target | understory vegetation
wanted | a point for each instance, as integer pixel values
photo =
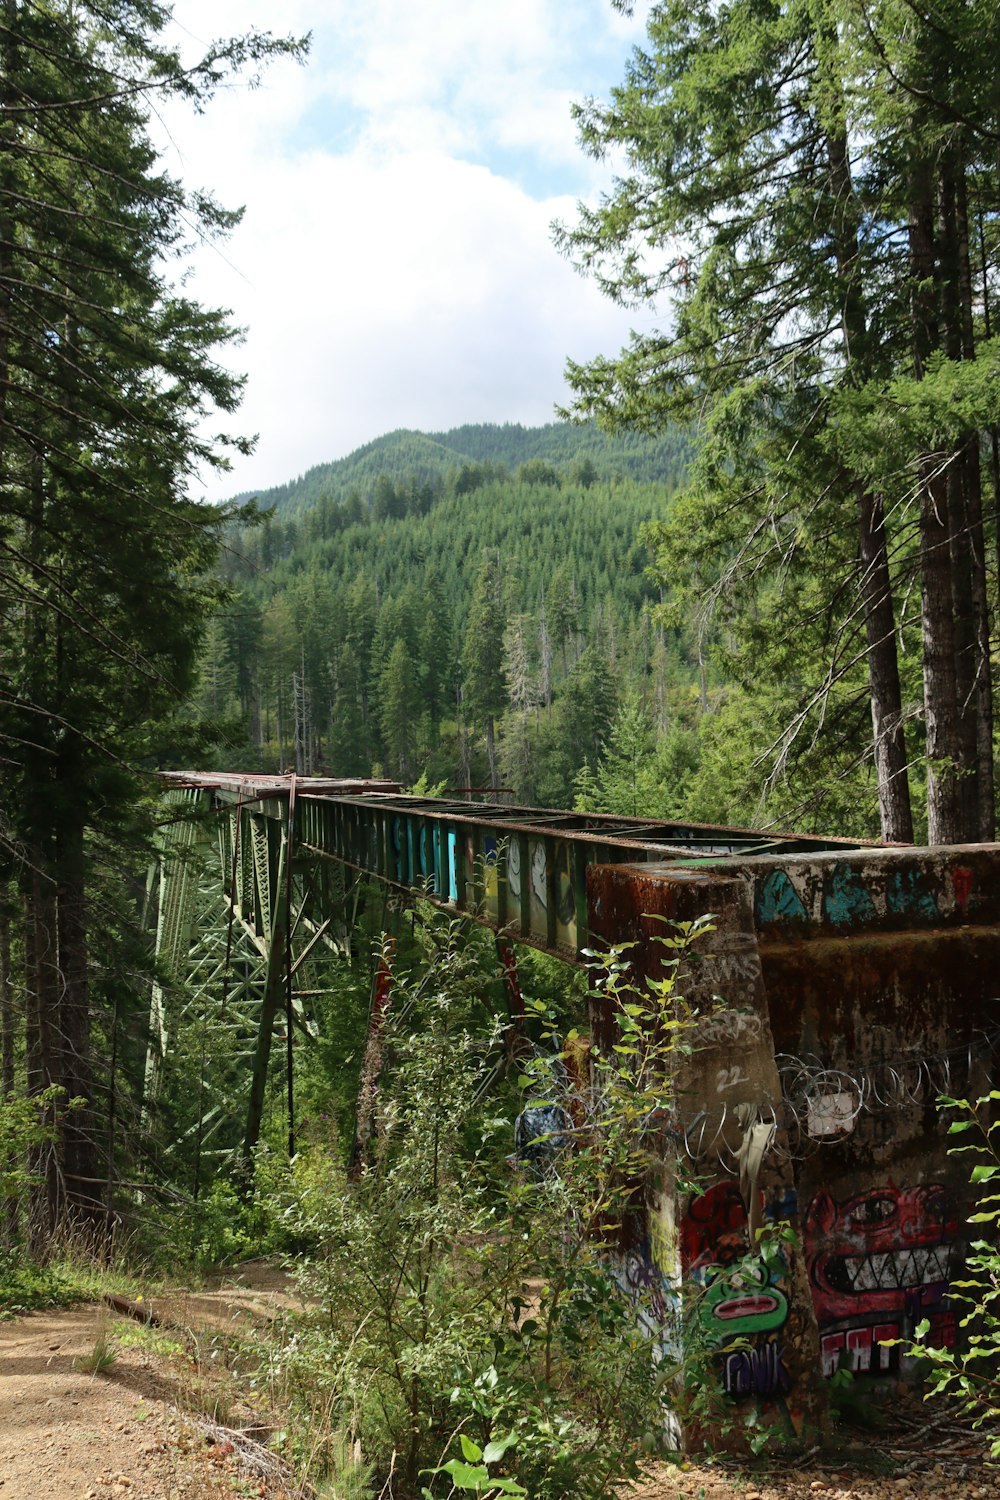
(462, 1314)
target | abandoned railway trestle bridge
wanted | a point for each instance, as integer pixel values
(521, 871)
(859, 980)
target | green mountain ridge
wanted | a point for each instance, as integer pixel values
(435, 596)
(422, 457)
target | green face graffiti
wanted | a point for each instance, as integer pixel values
(743, 1299)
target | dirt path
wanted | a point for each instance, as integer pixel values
(136, 1430)
(66, 1435)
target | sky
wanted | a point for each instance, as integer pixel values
(395, 265)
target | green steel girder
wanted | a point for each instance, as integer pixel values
(224, 930)
(522, 871)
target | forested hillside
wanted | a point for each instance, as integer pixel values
(422, 457)
(480, 624)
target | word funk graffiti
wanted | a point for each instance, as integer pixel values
(756, 1372)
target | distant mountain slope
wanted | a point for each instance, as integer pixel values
(427, 456)
(563, 443)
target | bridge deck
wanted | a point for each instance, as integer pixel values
(522, 870)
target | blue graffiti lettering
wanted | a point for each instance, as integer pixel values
(903, 896)
(845, 900)
(756, 1372)
(778, 900)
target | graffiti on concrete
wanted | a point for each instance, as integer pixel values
(539, 884)
(879, 1263)
(565, 889)
(853, 895)
(541, 1133)
(756, 1372)
(906, 893)
(514, 868)
(727, 1028)
(733, 973)
(779, 901)
(732, 1077)
(714, 1229)
(742, 1297)
(543, 874)
(961, 881)
(846, 902)
(648, 1285)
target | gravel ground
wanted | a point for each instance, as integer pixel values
(915, 1457)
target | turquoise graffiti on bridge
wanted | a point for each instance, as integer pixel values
(904, 897)
(846, 902)
(778, 900)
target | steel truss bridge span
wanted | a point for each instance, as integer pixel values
(519, 870)
(247, 933)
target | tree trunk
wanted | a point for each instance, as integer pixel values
(985, 811)
(883, 671)
(79, 1149)
(8, 1042)
(956, 490)
(491, 751)
(8, 135)
(876, 581)
(944, 822)
(42, 1026)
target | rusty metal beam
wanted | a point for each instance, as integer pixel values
(520, 870)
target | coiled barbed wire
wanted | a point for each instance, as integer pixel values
(821, 1104)
(805, 1118)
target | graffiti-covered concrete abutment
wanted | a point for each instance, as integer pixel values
(841, 994)
(879, 1265)
(845, 988)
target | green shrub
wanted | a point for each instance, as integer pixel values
(27, 1288)
(456, 1314)
(971, 1374)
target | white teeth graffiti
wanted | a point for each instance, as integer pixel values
(892, 1270)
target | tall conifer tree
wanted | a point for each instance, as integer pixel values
(105, 374)
(799, 183)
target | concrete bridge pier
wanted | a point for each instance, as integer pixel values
(744, 1327)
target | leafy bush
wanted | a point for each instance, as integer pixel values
(469, 1331)
(970, 1374)
(27, 1288)
(26, 1123)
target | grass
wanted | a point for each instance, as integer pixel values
(130, 1335)
(101, 1358)
(78, 1270)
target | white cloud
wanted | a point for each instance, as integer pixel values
(389, 272)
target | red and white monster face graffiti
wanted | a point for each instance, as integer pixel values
(872, 1252)
(884, 1257)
